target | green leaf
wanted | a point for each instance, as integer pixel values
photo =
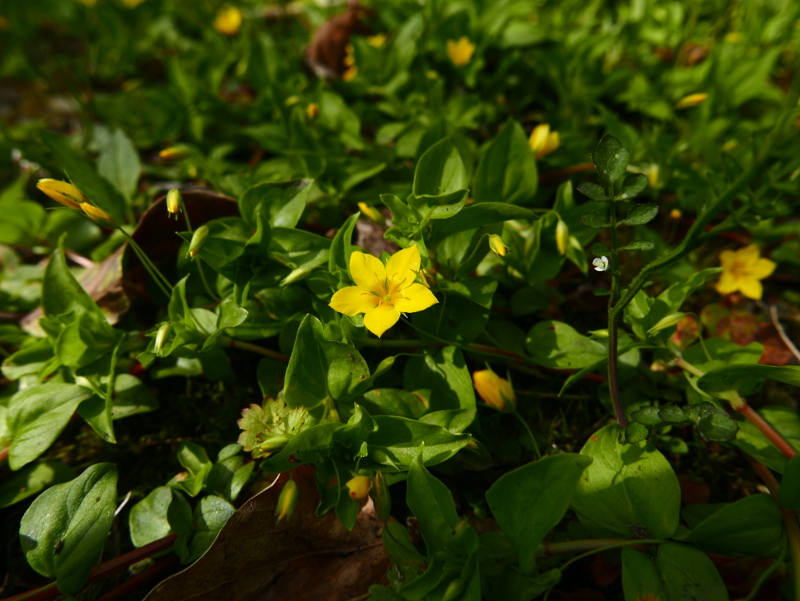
(443, 206)
(229, 475)
(432, 504)
(746, 379)
(640, 577)
(209, 517)
(281, 204)
(717, 425)
(531, 500)
(65, 528)
(753, 442)
(635, 432)
(688, 573)
(479, 289)
(789, 494)
(594, 220)
(96, 188)
(507, 170)
(628, 490)
(640, 214)
(647, 416)
(395, 442)
(593, 191)
(631, 186)
(479, 215)
(148, 520)
(195, 460)
(557, 345)
(637, 245)
(390, 401)
(32, 479)
(599, 249)
(752, 526)
(671, 414)
(37, 415)
(440, 171)
(61, 292)
(342, 247)
(119, 163)
(610, 159)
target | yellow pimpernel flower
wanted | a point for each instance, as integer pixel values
(383, 293)
(228, 20)
(690, 100)
(494, 390)
(742, 270)
(460, 52)
(376, 41)
(543, 141)
(371, 213)
(359, 487)
(63, 192)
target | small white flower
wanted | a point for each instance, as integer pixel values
(600, 264)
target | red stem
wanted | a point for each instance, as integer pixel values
(138, 581)
(767, 430)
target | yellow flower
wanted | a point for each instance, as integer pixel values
(371, 213)
(376, 41)
(359, 487)
(690, 100)
(174, 202)
(98, 215)
(383, 293)
(63, 192)
(312, 110)
(675, 214)
(543, 141)
(494, 390)
(350, 73)
(742, 270)
(460, 52)
(651, 172)
(733, 37)
(228, 20)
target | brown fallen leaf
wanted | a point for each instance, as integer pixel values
(305, 557)
(325, 54)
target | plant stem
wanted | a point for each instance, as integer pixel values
(530, 434)
(199, 260)
(163, 282)
(613, 367)
(378, 343)
(579, 546)
(254, 348)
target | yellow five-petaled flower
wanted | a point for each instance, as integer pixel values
(742, 270)
(383, 293)
(460, 52)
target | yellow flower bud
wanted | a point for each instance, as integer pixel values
(228, 20)
(543, 141)
(494, 390)
(198, 240)
(173, 152)
(287, 500)
(371, 213)
(98, 215)
(174, 202)
(562, 236)
(690, 100)
(63, 192)
(359, 487)
(497, 245)
(312, 110)
(675, 214)
(376, 41)
(460, 52)
(652, 175)
(161, 337)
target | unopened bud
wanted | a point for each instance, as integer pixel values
(287, 500)
(228, 20)
(690, 100)
(161, 337)
(497, 245)
(98, 215)
(359, 487)
(198, 240)
(543, 141)
(312, 110)
(666, 322)
(675, 214)
(63, 192)
(174, 202)
(371, 213)
(652, 172)
(275, 443)
(494, 390)
(173, 152)
(454, 590)
(562, 237)
(380, 495)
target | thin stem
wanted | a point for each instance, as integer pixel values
(578, 546)
(254, 348)
(378, 343)
(163, 282)
(530, 434)
(199, 260)
(613, 366)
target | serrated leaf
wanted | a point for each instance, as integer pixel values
(640, 214)
(274, 418)
(593, 191)
(611, 159)
(631, 186)
(639, 245)
(594, 220)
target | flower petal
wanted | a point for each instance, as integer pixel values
(762, 268)
(415, 297)
(368, 272)
(381, 318)
(353, 300)
(751, 288)
(748, 255)
(402, 267)
(727, 283)
(727, 259)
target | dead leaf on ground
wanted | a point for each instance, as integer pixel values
(325, 54)
(307, 557)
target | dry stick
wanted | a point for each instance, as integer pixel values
(104, 570)
(773, 313)
(789, 519)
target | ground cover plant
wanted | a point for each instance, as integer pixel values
(444, 300)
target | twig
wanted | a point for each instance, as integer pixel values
(773, 313)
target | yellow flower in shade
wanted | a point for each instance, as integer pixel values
(742, 270)
(494, 390)
(383, 293)
(690, 100)
(228, 20)
(376, 41)
(460, 52)
(543, 141)
(63, 192)
(359, 487)
(98, 215)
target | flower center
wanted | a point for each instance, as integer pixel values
(387, 298)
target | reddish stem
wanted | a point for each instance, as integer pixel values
(138, 581)
(552, 176)
(767, 430)
(4, 455)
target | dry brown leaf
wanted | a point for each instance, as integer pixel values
(328, 48)
(307, 557)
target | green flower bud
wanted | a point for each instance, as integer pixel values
(161, 337)
(498, 246)
(198, 240)
(275, 443)
(454, 590)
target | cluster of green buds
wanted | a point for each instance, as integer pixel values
(71, 197)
